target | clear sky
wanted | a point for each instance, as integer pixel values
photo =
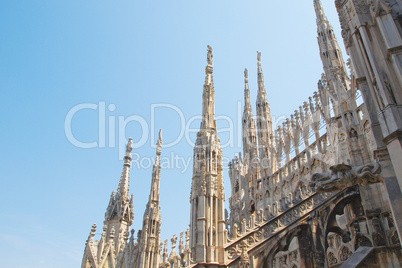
(131, 57)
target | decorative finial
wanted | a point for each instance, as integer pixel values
(112, 233)
(165, 251)
(93, 229)
(181, 243)
(245, 75)
(305, 106)
(173, 240)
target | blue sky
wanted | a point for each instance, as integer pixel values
(55, 55)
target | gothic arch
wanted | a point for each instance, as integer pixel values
(331, 224)
(277, 194)
(281, 244)
(285, 187)
(293, 181)
(267, 197)
(252, 207)
(353, 133)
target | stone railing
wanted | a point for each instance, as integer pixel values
(315, 150)
(266, 230)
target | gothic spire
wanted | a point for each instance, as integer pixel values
(124, 184)
(247, 102)
(156, 172)
(331, 56)
(261, 87)
(118, 218)
(207, 193)
(208, 96)
(151, 228)
(319, 11)
(249, 131)
(264, 123)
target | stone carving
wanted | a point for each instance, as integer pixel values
(345, 253)
(394, 237)
(378, 235)
(210, 56)
(339, 3)
(360, 238)
(393, 234)
(165, 251)
(342, 176)
(286, 206)
(244, 258)
(129, 147)
(380, 7)
(181, 243)
(332, 259)
(361, 7)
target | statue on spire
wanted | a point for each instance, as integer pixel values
(259, 57)
(210, 57)
(159, 144)
(129, 147)
(246, 75)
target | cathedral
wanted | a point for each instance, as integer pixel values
(322, 189)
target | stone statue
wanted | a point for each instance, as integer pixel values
(342, 176)
(210, 57)
(173, 240)
(165, 251)
(244, 258)
(129, 147)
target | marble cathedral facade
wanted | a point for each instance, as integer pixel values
(323, 189)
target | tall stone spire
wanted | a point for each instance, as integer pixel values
(247, 102)
(119, 217)
(120, 212)
(150, 239)
(207, 192)
(208, 95)
(264, 124)
(122, 197)
(250, 149)
(124, 183)
(156, 172)
(331, 56)
(249, 132)
(261, 86)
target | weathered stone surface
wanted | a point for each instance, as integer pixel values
(343, 176)
(335, 202)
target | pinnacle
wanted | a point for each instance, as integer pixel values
(208, 98)
(159, 144)
(319, 11)
(261, 87)
(247, 104)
